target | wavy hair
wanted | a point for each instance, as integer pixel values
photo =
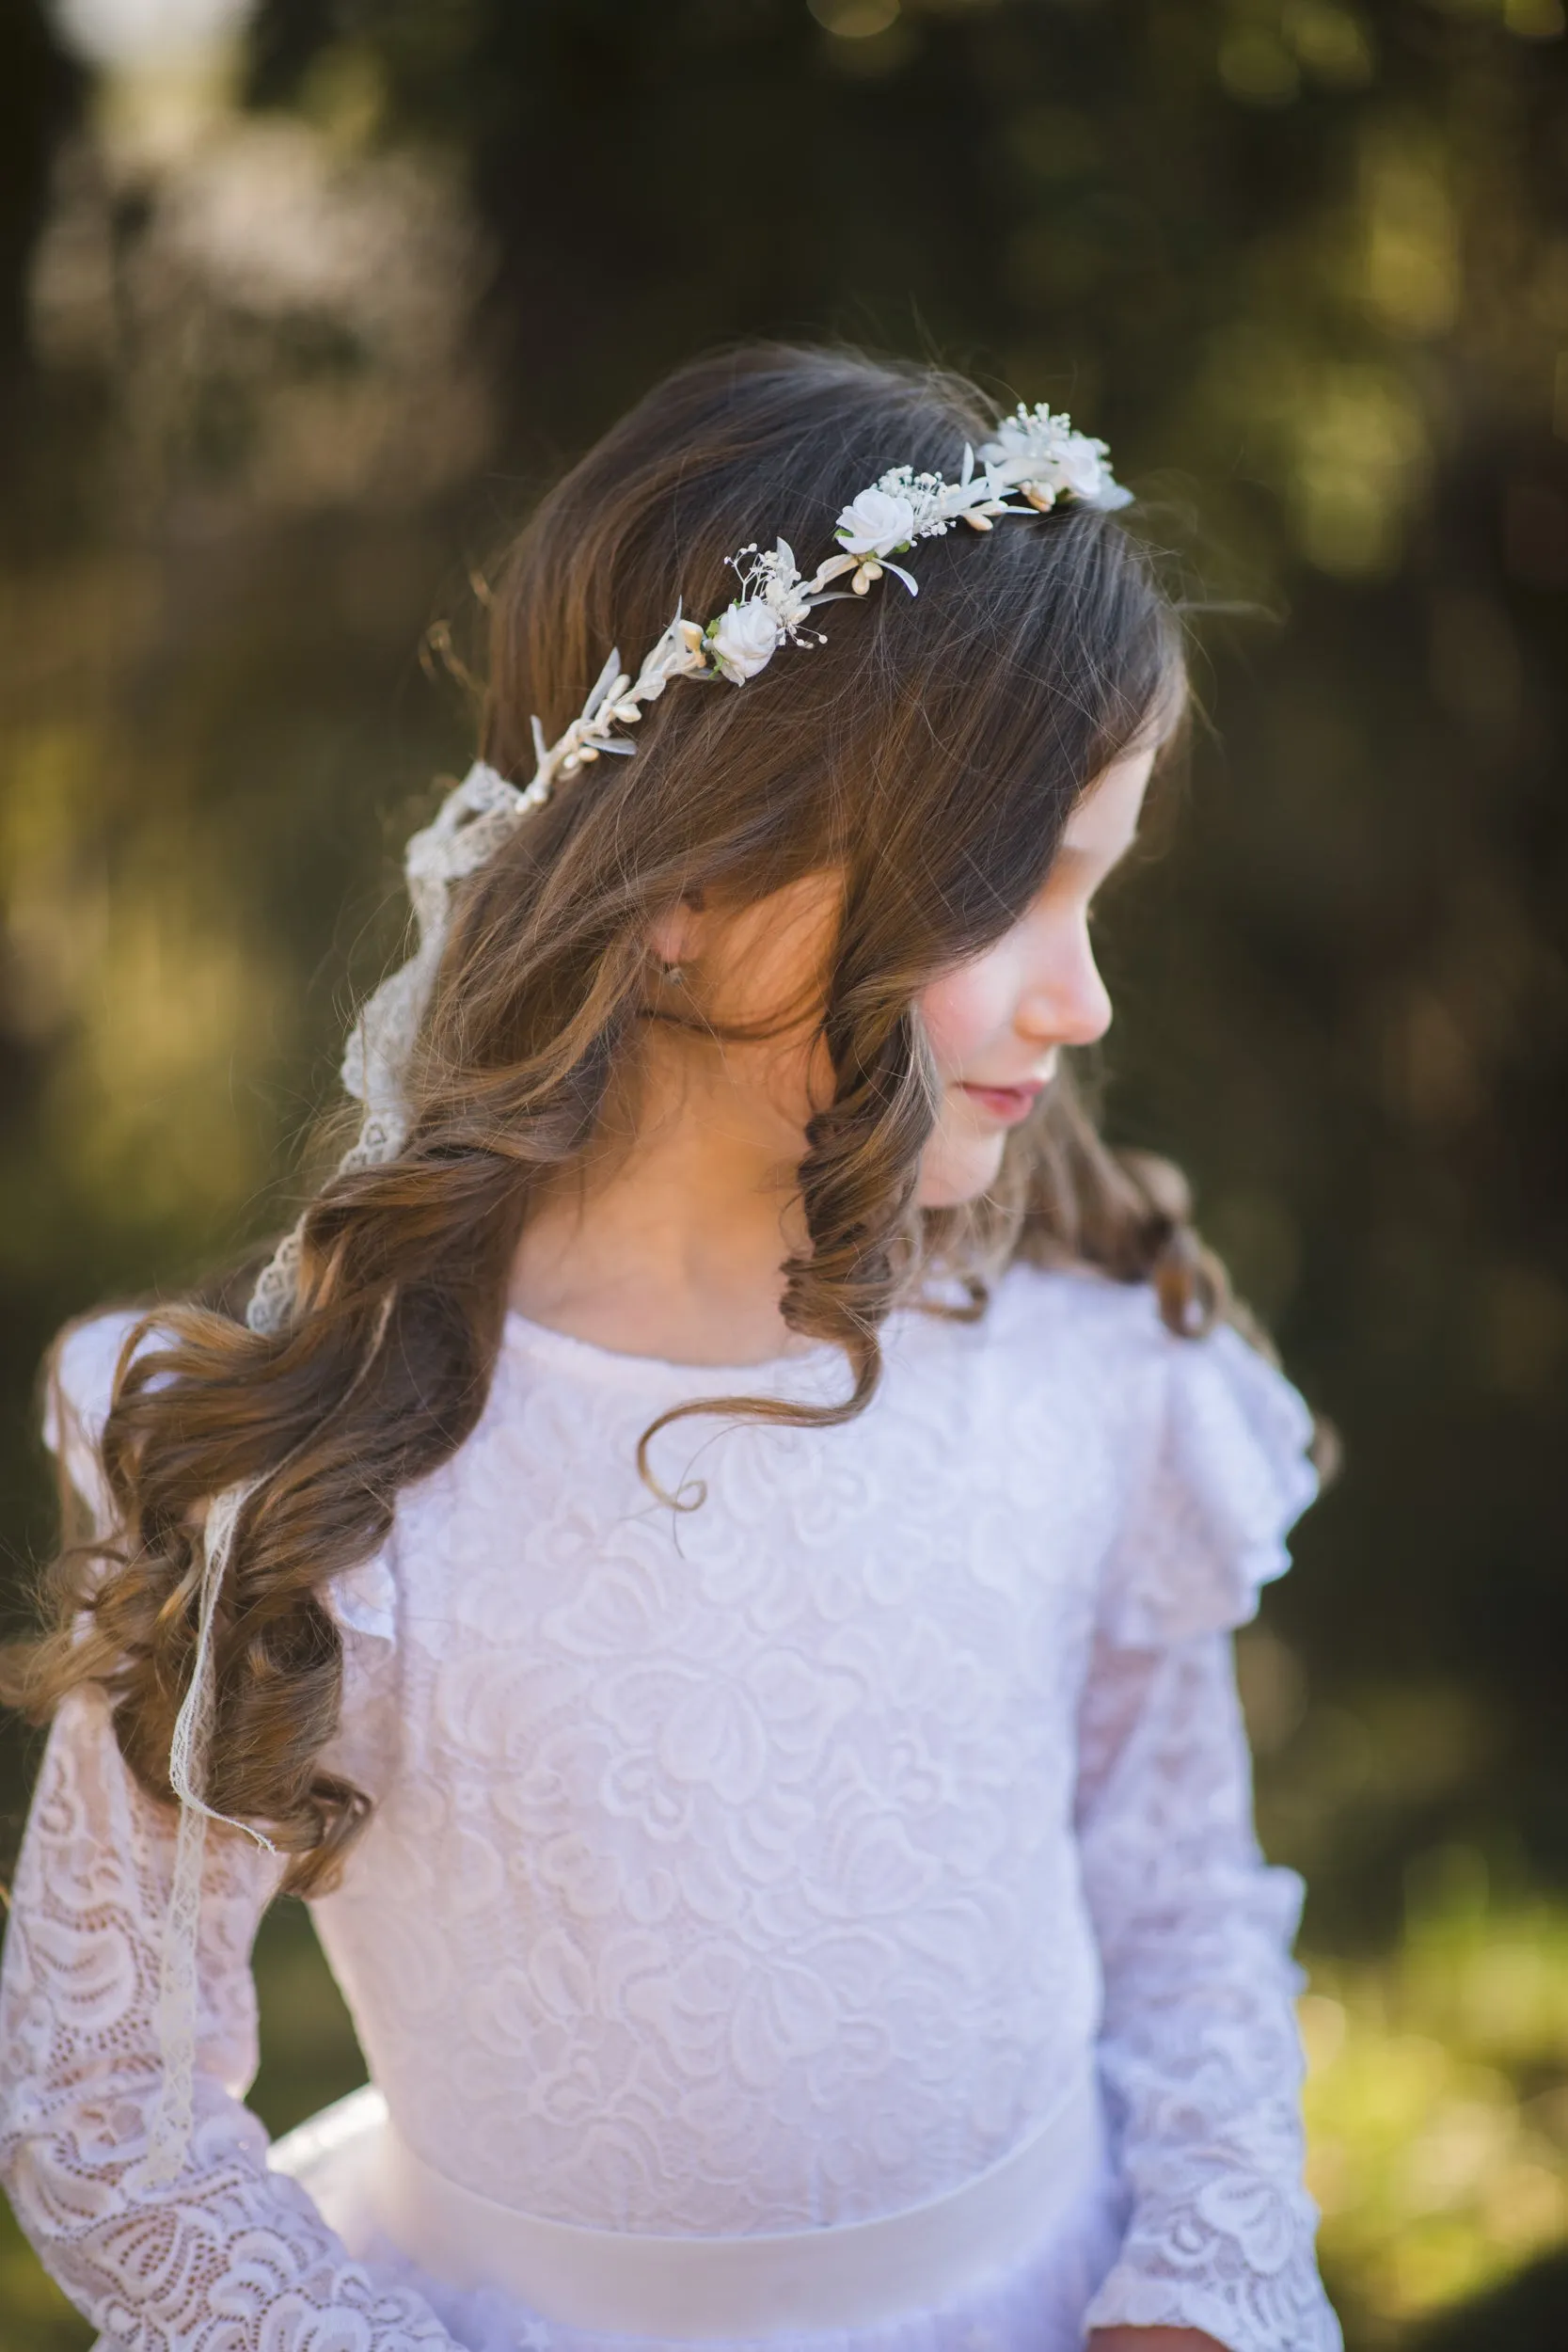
(930, 752)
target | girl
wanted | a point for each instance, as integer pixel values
(711, 1556)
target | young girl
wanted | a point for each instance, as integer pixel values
(710, 1554)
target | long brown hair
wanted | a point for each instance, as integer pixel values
(931, 751)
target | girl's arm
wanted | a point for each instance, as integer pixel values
(229, 2254)
(231, 2251)
(1199, 2052)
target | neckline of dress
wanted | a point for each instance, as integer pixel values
(591, 1358)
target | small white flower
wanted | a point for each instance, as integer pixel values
(933, 501)
(744, 640)
(1084, 469)
(786, 600)
(772, 577)
(1042, 455)
(876, 523)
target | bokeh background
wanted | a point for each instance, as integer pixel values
(302, 301)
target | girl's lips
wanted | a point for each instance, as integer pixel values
(1006, 1103)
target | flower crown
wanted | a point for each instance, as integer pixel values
(1035, 453)
(1034, 461)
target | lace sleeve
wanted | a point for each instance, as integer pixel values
(1200, 2051)
(230, 2254)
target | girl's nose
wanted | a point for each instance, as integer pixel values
(1069, 1004)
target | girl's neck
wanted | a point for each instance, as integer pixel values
(669, 1246)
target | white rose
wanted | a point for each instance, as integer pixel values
(1012, 440)
(876, 523)
(745, 641)
(1080, 468)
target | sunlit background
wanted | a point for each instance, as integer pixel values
(301, 302)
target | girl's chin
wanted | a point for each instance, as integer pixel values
(952, 1173)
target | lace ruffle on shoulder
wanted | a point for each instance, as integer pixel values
(76, 1402)
(1224, 1476)
(76, 1405)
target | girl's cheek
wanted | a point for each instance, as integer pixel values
(961, 1014)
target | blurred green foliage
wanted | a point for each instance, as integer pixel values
(289, 335)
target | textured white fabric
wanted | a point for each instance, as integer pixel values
(768, 1868)
(621, 2281)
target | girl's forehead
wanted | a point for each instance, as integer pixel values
(1106, 819)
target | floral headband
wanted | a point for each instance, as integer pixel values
(1034, 461)
(1035, 453)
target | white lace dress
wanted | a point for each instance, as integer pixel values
(762, 1870)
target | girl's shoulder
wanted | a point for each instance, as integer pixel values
(79, 1385)
(1211, 1445)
